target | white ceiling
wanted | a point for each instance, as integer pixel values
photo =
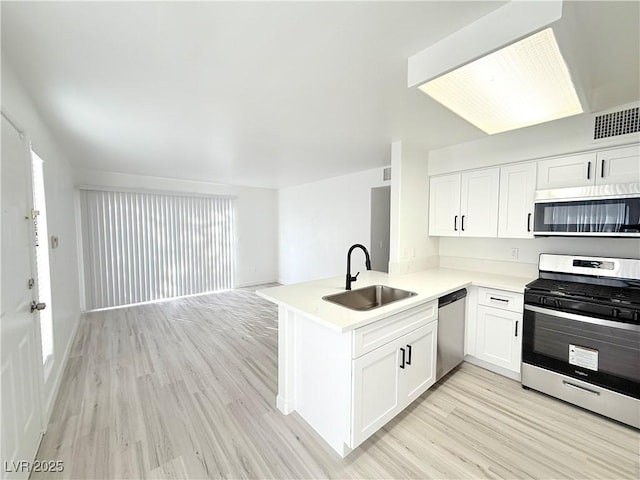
(264, 94)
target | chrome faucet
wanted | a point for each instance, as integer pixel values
(367, 264)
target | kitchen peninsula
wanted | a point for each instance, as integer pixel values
(349, 372)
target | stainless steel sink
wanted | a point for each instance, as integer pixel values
(368, 298)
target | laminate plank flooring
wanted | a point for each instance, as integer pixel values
(186, 389)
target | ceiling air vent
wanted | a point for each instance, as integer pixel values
(386, 173)
(618, 123)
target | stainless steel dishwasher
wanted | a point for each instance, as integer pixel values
(451, 313)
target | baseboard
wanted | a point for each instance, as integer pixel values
(285, 406)
(58, 380)
(255, 283)
(493, 368)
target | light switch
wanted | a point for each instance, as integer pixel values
(54, 242)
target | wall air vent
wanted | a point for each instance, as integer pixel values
(386, 174)
(618, 123)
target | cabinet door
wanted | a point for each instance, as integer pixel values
(517, 190)
(420, 369)
(498, 337)
(444, 205)
(376, 390)
(572, 171)
(479, 203)
(621, 165)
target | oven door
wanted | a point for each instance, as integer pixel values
(615, 217)
(598, 351)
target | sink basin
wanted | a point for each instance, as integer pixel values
(368, 298)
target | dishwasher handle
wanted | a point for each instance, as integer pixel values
(452, 297)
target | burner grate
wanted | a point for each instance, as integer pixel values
(586, 290)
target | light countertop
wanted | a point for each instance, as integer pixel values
(306, 298)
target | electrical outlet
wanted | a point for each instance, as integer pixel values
(514, 253)
(55, 242)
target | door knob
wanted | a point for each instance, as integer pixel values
(37, 306)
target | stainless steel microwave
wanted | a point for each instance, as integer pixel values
(606, 210)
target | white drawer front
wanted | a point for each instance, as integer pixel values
(370, 337)
(502, 299)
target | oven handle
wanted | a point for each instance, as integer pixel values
(582, 389)
(583, 318)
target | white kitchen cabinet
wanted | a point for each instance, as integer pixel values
(570, 171)
(464, 204)
(376, 390)
(498, 337)
(493, 329)
(444, 205)
(479, 203)
(606, 167)
(517, 191)
(347, 384)
(388, 379)
(619, 165)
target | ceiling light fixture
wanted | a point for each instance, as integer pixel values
(523, 84)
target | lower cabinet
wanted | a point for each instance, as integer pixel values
(388, 379)
(493, 330)
(346, 385)
(498, 337)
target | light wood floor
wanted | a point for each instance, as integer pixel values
(186, 389)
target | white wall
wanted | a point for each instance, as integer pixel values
(59, 195)
(560, 137)
(319, 222)
(550, 139)
(256, 217)
(411, 247)
(494, 254)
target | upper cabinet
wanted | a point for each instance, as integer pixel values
(619, 165)
(444, 205)
(517, 191)
(571, 171)
(464, 205)
(479, 203)
(499, 201)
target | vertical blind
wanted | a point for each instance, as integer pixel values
(139, 247)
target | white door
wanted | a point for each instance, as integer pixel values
(517, 191)
(444, 205)
(621, 165)
(420, 370)
(21, 369)
(572, 171)
(498, 337)
(479, 203)
(376, 387)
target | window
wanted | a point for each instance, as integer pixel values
(140, 247)
(42, 256)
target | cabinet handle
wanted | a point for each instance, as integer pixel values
(588, 170)
(403, 354)
(602, 169)
(528, 222)
(516, 328)
(455, 223)
(462, 223)
(409, 359)
(499, 299)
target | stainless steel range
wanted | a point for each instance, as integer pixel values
(581, 334)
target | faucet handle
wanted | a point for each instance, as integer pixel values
(353, 279)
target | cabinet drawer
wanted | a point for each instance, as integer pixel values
(502, 299)
(370, 337)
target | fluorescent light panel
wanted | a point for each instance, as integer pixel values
(523, 84)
